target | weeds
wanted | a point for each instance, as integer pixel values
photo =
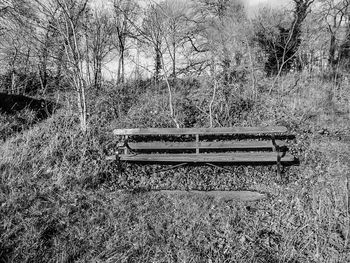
(60, 201)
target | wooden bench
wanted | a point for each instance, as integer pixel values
(212, 146)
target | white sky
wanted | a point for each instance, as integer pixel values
(270, 2)
(253, 5)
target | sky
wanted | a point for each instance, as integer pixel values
(253, 5)
(270, 2)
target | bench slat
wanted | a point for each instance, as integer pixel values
(203, 145)
(267, 157)
(201, 131)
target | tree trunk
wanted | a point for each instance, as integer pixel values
(13, 82)
(120, 72)
(226, 64)
(158, 63)
(332, 48)
(174, 60)
(98, 73)
(119, 69)
(13, 72)
(79, 84)
(26, 69)
(59, 67)
(212, 102)
(43, 75)
(170, 93)
(88, 73)
(122, 64)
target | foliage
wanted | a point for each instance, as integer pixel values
(61, 201)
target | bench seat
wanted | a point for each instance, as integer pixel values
(233, 157)
(224, 145)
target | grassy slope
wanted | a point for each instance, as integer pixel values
(58, 201)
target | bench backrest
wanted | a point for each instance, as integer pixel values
(201, 145)
(201, 131)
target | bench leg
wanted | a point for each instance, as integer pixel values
(276, 149)
(279, 172)
(119, 165)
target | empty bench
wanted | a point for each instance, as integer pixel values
(212, 146)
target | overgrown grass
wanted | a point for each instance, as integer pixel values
(12, 124)
(60, 201)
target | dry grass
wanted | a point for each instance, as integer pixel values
(59, 202)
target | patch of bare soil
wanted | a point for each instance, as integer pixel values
(223, 195)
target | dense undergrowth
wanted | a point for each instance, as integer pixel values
(61, 201)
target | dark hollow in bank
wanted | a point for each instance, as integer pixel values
(13, 103)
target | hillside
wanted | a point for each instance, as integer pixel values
(61, 201)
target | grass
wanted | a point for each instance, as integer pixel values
(60, 201)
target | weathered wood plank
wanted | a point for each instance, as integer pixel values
(222, 195)
(201, 131)
(239, 145)
(240, 157)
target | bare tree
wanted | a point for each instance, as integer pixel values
(99, 43)
(282, 41)
(15, 43)
(124, 15)
(151, 34)
(334, 15)
(214, 34)
(69, 24)
(68, 18)
(174, 34)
